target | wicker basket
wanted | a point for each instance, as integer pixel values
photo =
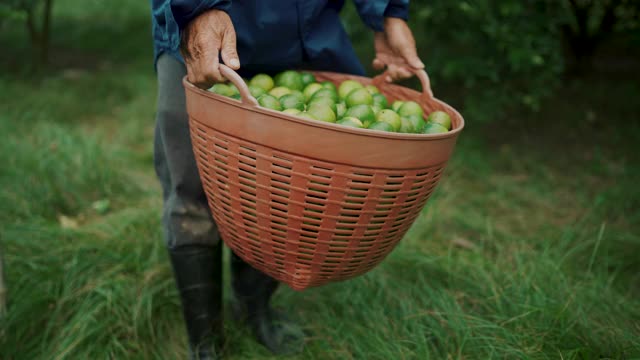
(309, 202)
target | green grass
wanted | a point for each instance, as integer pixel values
(527, 250)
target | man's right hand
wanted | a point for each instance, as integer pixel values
(202, 40)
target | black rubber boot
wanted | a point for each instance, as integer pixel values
(198, 274)
(252, 292)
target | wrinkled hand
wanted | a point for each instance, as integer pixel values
(396, 49)
(202, 40)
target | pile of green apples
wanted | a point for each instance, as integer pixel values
(349, 104)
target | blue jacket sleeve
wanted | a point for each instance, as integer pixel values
(183, 11)
(373, 12)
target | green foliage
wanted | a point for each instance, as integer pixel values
(36, 15)
(590, 23)
(16, 10)
(484, 46)
(494, 56)
(11, 11)
(625, 14)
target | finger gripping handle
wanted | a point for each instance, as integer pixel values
(237, 80)
(421, 74)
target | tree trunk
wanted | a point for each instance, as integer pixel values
(3, 289)
(31, 28)
(45, 34)
(579, 42)
(582, 43)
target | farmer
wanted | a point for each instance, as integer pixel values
(191, 37)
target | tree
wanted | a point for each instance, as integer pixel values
(590, 23)
(500, 54)
(36, 15)
(3, 289)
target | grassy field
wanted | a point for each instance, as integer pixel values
(529, 248)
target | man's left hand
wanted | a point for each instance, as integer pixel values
(396, 49)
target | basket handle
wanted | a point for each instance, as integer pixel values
(237, 80)
(421, 74)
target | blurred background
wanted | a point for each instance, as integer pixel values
(528, 249)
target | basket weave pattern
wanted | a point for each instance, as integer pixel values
(303, 221)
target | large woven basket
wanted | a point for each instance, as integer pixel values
(309, 202)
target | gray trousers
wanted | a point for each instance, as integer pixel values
(186, 216)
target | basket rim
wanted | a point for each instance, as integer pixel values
(332, 126)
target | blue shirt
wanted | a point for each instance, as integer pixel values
(274, 35)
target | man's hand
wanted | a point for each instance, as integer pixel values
(396, 49)
(202, 40)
